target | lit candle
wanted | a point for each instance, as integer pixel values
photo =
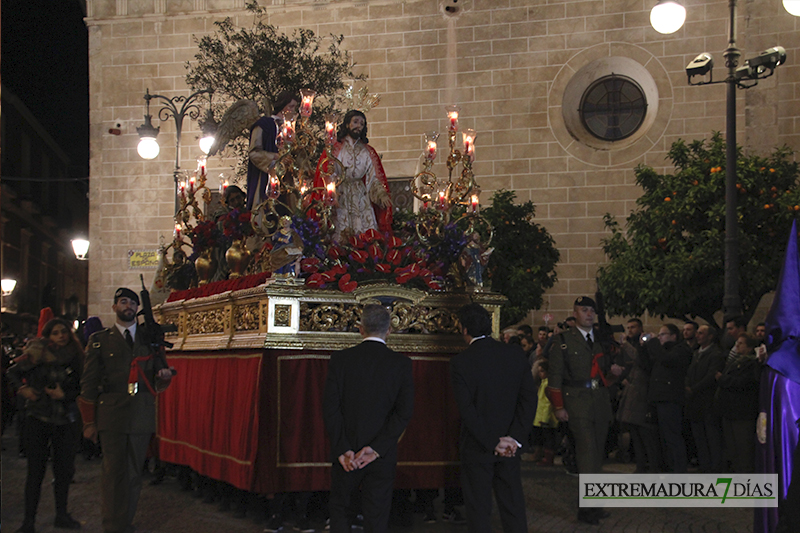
(331, 189)
(330, 132)
(307, 97)
(183, 189)
(177, 233)
(288, 131)
(274, 186)
(469, 143)
(474, 203)
(452, 114)
(442, 201)
(191, 185)
(431, 150)
(201, 167)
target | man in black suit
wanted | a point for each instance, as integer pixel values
(368, 401)
(496, 397)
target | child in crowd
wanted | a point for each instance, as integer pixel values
(546, 418)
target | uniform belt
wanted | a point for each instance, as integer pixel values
(583, 383)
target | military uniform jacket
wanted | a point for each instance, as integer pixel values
(105, 382)
(571, 361)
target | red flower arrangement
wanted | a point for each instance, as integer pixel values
(371, 256)
(204, 236)
(236, 225)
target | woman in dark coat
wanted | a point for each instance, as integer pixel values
(48, 376)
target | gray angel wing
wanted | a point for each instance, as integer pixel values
(239, 116)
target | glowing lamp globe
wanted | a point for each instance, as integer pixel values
(792, 6)
(7, 286)
(80, 247)
(667, 17)
(148, 148)
(206, 142)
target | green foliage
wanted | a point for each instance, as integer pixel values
(668, 260)
(260, 61)
(523, 263)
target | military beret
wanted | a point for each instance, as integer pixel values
(585, 301)
(124, 292)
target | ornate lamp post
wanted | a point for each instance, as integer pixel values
(668, 17)
(176, 108)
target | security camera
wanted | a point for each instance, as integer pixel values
(768, 59)
(700, 65)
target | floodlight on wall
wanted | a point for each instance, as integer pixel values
(80, 247)
(667, 16)
(792, 6)
(7, 285)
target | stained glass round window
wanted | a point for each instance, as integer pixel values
(613, 107)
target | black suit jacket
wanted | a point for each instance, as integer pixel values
(368, 399)
(496, 397)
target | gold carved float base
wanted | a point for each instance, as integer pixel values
(281, 316)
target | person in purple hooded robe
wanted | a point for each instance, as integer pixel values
(779, 396)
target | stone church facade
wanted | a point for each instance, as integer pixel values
(517, 68)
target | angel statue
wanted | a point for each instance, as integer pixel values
(474, 258)
(264, 131)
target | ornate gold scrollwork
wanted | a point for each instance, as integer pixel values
(329, 317)
(246, 317)
(210, 321)
(407, 318)
(283, 315)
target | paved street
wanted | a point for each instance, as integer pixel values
(550, 495)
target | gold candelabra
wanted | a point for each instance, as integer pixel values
(291, 185)
(440, 196)
(191, 187)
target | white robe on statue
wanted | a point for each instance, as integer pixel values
(354, 210)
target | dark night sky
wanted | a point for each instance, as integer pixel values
(45, 63)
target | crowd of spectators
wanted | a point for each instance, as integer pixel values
(687, 397)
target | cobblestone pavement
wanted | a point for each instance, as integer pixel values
(550, 496)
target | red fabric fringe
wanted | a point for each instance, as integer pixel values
(217, 287)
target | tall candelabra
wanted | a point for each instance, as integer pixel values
(291, 186)
(439, 196)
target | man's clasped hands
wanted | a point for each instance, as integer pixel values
(353, 461)
(507, 447)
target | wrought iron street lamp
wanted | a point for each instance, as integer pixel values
(176, 108)
(700, 72)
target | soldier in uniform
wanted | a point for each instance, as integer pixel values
(579, 374)
(120, 380)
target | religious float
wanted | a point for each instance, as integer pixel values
(251, 350)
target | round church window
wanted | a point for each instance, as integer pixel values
(613, 108)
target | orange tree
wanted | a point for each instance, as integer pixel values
(668, 260)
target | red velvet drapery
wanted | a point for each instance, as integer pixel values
(261, 429)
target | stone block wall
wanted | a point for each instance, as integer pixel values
(507, 63)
